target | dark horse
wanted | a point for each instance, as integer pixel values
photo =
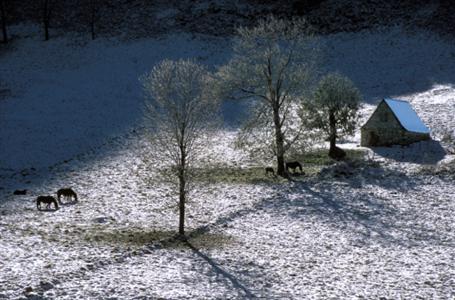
(269, 170)
(48, 200)
(67, 193)
(293, 165)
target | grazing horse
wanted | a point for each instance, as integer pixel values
(269, 170)
(293, 165)
(67, 193)
(48, 200)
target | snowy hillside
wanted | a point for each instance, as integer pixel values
(72, 117)
(66, 96)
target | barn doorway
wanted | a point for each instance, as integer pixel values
(372, 139)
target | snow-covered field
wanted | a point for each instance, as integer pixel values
(72, 118)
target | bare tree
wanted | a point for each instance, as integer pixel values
(46, 11)
(179, 108)
(272, 66)
(333, 109)
(3, 16)
(92, 15)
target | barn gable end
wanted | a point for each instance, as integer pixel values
(394, 122)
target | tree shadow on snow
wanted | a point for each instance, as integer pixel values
(244, 292)
(427, 152)
(371, 216)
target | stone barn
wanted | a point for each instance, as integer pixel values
(394, 122)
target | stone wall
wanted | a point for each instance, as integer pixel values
(388, 137)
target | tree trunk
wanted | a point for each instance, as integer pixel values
(93, 9)
(334, 151)
(92, 29)
(46, 16)
(182, 183)
(279, 140)
(3, 15)
(46, 30)
(332, 133)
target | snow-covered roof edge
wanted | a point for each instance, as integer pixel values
(406, 115)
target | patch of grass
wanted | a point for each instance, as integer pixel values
(311, 161)
(129, 236)
(226, 174)
(137, 237)
(210, 240)
(320, 157)
(133, 237)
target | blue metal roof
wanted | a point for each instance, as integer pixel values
(407, 117)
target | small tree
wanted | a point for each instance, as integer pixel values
(3, 16)
(272, 66)
(46, 16)
(91, 15)
(179, 109)
(333, 109)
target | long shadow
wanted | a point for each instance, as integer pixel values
(374, 215)
(169, 242)
(83, 104)
(390, 60)
(165, 243)
(428, 152)
(371, 217)
(356, 173)
(245, 292)
(75, 97)
(342, 212)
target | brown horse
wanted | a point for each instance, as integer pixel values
(67, 193)
(48, 200)
(293, 165)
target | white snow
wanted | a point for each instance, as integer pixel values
(74, 116)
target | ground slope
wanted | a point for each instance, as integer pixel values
(72, 118)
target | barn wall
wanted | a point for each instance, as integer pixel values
(388, 137)
(387, 129)
(383, 117)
